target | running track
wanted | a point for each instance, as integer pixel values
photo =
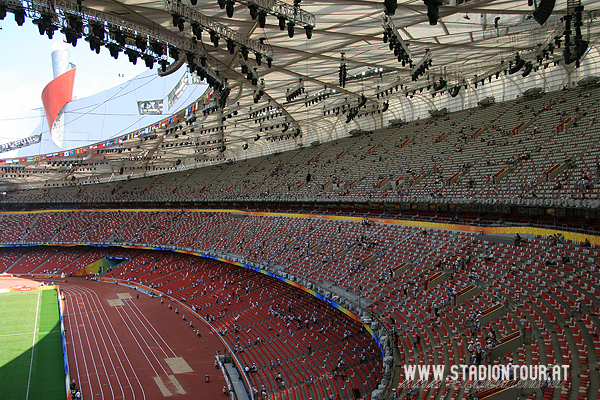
(117, 349)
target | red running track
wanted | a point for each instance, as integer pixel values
(118, 349)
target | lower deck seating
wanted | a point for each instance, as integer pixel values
(548, 289)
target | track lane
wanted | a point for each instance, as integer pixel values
(119, 381)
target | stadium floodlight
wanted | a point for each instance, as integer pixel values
(229, 8)
(45, 25)
(72, 16)
(433, 11)
(73, 30)
(260, 91)
(197, 30)
(19, 16)
(94, 42)
(114, 50)
(284, 12)
(217, 29)
(141, 42)
(262, 19)
(396, 43)
(253, 11)
(117, 35)
(390, 6)
(422, 66)
(157, 48)
(251, 72)
(174, 53)
(295, 91)
(343, 73)
(149, 61)
(309, 31)
(132, 55)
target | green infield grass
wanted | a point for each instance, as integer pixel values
(31, 357)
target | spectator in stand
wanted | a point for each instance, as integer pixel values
(417, 340)
(517, 240)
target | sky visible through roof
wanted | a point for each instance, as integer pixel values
(26, 69)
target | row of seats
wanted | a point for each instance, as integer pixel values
(498, 153)
(320, 354)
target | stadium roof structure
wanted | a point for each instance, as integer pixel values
(472, 40)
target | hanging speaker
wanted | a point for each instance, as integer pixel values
(528, 68)
(543, 11)
(519, 64)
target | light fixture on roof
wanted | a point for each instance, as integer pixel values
(218, 30)
(395, 41)
(174, 53)
(467, 17)
(433, 11)
(343, 74)
(214, 38)
(157, 48)
(45, 25)
(422, 66)
(284, 12)
(259, 92)
(295, 91)
(117, 35)
(248, 69)
(390, 6)
(178, 21)
(230, 46)
(19, 15)
(351, 115)
(229, 6)
(73, 29)
(319, 96)
(309, 31)
(133, 55)
(114, 50)
(253, 10)
(141, 42)
(262, 19)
